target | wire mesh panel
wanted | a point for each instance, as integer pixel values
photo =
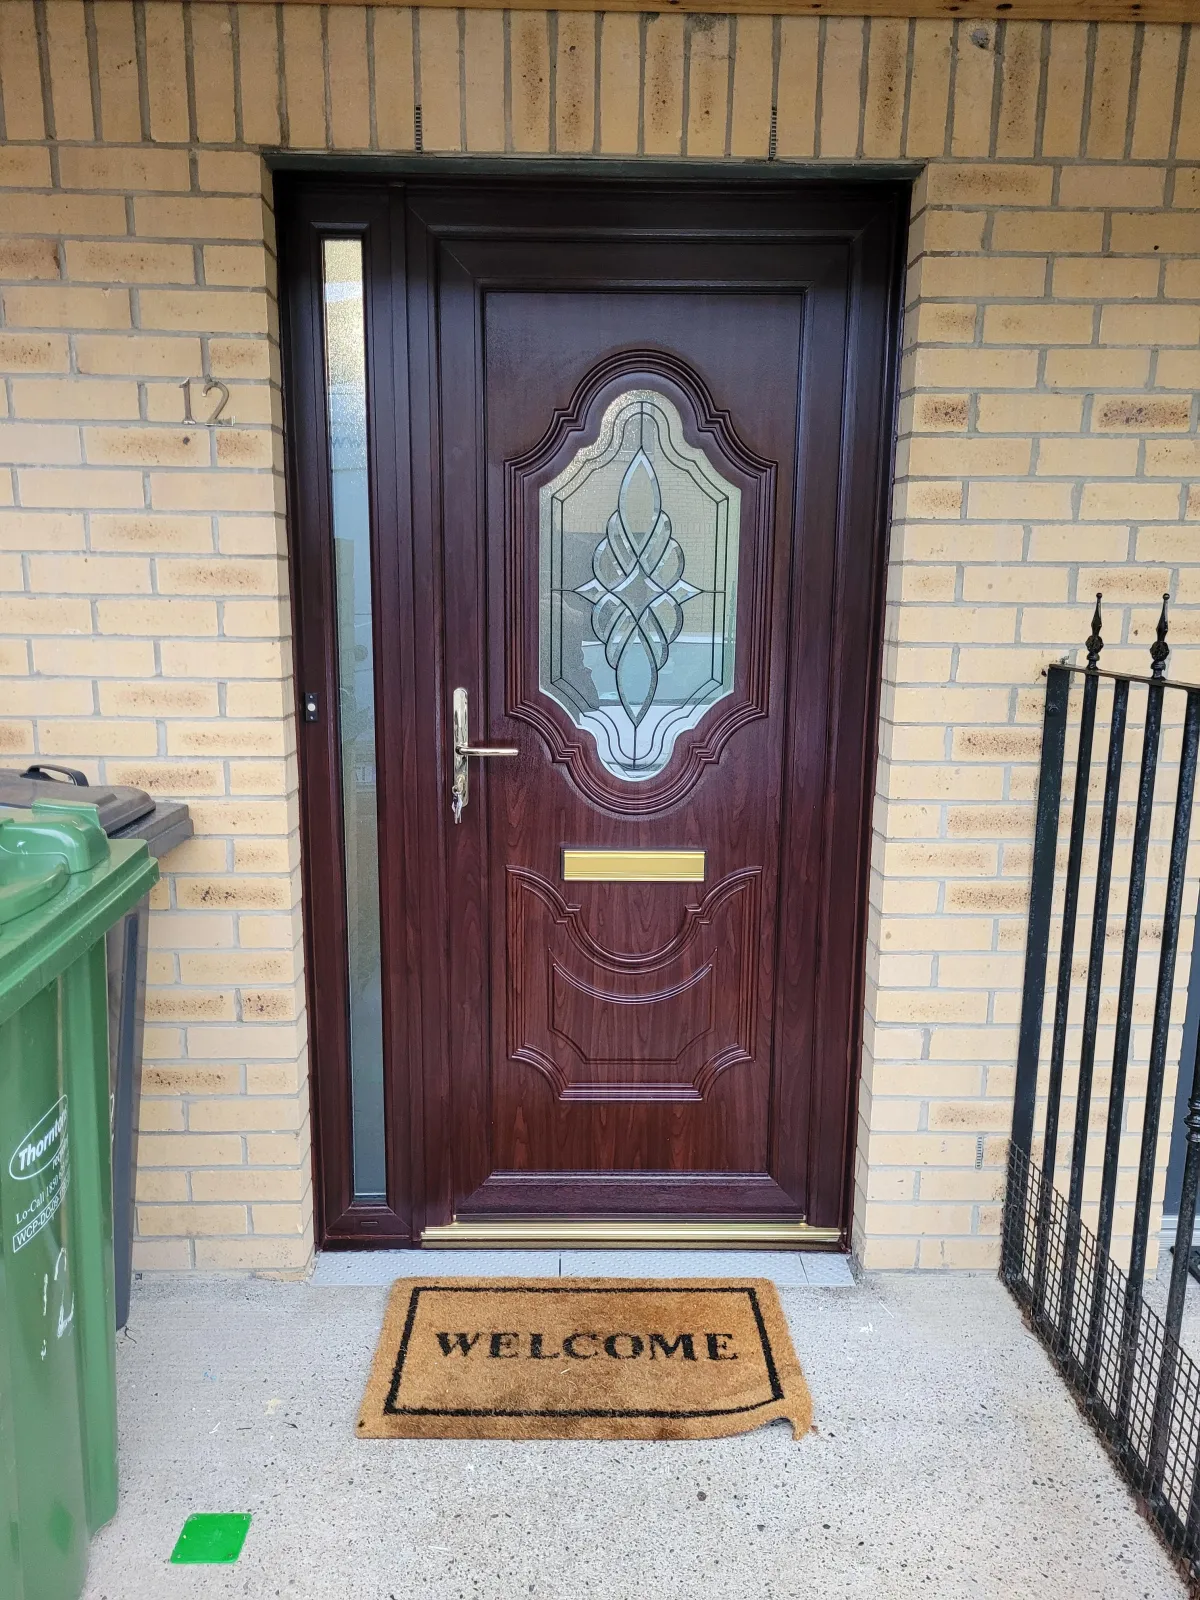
(1098, 855)
(1150, 1422)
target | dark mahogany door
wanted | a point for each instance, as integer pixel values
(650, 439)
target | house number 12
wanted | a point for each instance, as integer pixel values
(209, 387)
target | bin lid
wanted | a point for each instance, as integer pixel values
(63, 884)
(118, 804)
(166, 826)
(41, 850)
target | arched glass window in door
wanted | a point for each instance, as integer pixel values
(638, 585)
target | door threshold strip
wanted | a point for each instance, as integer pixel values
(603, 1233)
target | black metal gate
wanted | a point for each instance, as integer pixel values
(1122, 1359)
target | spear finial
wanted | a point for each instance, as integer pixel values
(1095, 643)
(1160, 649)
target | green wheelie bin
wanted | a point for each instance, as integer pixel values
(63, 884)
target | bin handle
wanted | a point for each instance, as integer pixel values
(42, 768)
(26, 894)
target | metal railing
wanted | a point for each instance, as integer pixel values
(1123, 1361)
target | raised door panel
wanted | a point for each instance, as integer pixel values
(603, 1024)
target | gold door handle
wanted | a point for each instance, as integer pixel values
(460, 788)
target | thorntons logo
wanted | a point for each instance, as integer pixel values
(42, 1145)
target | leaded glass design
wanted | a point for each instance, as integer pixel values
(639, 555)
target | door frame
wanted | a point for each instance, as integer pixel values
(408, 684)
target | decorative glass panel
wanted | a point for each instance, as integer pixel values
(346, 389)
(639, 557)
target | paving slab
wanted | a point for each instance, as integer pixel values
(361, 1269)
(790, 1269)
(787, 1269)
(947, 1460)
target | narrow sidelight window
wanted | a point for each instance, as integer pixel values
(346, 388)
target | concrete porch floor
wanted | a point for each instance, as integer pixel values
(949, 1461)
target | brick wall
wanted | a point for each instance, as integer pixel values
(1048, 448)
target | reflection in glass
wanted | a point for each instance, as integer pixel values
(345, 367)
(639, 554)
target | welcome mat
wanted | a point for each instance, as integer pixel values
(582, 1358)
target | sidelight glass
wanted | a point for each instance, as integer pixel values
(638, 585)
(346, 390)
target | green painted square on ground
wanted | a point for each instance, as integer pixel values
(212, 1536)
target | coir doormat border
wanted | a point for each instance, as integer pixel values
(778, 1390)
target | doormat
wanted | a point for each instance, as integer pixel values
(582, 1358)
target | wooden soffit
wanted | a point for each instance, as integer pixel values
(943, 10)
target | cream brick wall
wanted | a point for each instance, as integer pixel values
(1048, 447)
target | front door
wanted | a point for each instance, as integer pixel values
(647, 437)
